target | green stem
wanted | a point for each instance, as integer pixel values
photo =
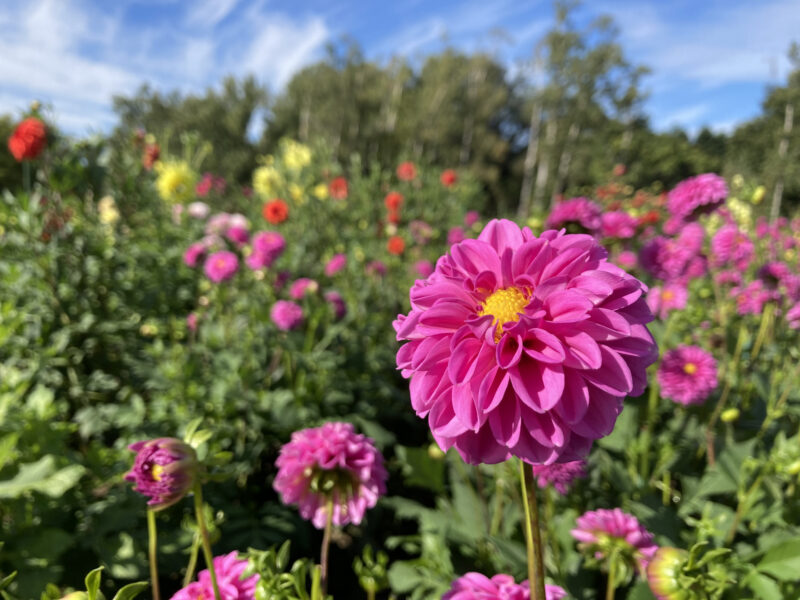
(650, 418)
(532, 537)
(611, 585)
(370, 594)
(201, 524)
(499, 497)
(730, 373)
(192, 560)
(742, 507)
(152, 552)
(766, 320)
(26, 178)
(326, 542)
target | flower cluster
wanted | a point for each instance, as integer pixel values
(475, 586)
(232, 586)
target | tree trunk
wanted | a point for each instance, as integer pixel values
(564, 162)
(783, 148)
(543, 170)
(305, 118)
(475, 78)
(531, 154)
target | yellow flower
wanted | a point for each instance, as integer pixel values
(266, 181)
(107, 210)
(295, 155)
(758, 195)
(320, 191)
(742, 212)
(296, 193)
(738, 181)
(176, 181)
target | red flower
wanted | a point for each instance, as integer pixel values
(151, 154)
(28, 139)
(275, 211)
(448, 178)
(393, 200)
(619, 170)
(396, 245)
(338, 188)
(394, 217)
(406, 171)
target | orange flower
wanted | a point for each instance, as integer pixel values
(338, 188)
(393, 200)
(151, 154)
(275, 211)
(406, 171)
(396, 245)
(28, 139)
(448, 177)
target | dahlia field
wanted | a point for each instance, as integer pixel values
(355, 381)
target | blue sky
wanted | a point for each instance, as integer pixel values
(711, 60)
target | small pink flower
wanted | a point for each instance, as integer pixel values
(731, 247)
(627, 259)
(793, 316)
(286, 315)
(687, 375)
(559, 475)
(301, 287)
(577, 215)
(618, 224)
(238, 235)
(662, 301)
(267, 248)
(335, 264)
(423, 268)
(330, 463)
(471, 218)
(336, 302)
(697, 195)
(455, 236)
(475, 586)
(221, 266)
(191, 321)
(598, 529)
(194, 254)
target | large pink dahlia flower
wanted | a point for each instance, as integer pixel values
(330, 462)
(600, 530)
(475, 586)
(697, 195)
(524, 346)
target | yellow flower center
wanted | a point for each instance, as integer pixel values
(690, 368)
(156, 472)
(505, 305)
(667, 295)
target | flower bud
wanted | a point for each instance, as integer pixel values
(730, 415)
(663, 574)
(165, 469)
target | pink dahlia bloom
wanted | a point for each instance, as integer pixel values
(286, 315)
(524, 346)
(559, 475)
(267, 248)
(194, 254)
(599, 529)
(627, 259)
(232, 586)
(751, 299)
(731, 247)
(618, 224)
(773, 274)
(697, 195)
(165, 469)
(221, 266)
(301, 287)
(688, 375)
(423, 268)
(334, 460)
(472, 217)
(675, 259)
(336, 302)
(475, 586)
(663, 301)
(577, 215)
(455, 236)
(793, 316)
(335, 264)
(238, 235)
(376, 268)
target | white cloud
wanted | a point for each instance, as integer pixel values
(208, 13)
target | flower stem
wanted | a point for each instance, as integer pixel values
(152, 551)
(326, 542)
(650, 421)
(730, 373)
(611, 586)
(192, 560)
(742, 507)
(533, 537)
(201, 524)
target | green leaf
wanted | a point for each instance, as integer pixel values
(93, 583)
(6, 581)
(765, 588)
(131, 590)
(782, 561)
(640, 591)
(41, 476)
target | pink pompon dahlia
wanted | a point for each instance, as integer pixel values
(475, 586)
(302, 287)
(335, 264)
(194, 254)
(559, 475)
(662, 301)
(524, 346)
(333, 464)
(618, 224)
(267, 248)
(696, 195)
(286, 315)
(604, 531)
(731, 247)
(577, 215)
(165, 469)
(337, 303)
(221, 266)
(232, 586)
(687, 375)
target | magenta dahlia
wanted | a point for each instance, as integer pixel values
(688, 375)
(267, 248)
(337, 303)
(232, 586)
(731, 247)
(577, 215)
(334, 464)
(559, 475)
(165, 469)
(662, 301)
(618, 224)
(524, 346)
(605, 530)
(221, 266)
(697, 195)
(335, 264)
(301, 287)
(475, 586)
(286, 315)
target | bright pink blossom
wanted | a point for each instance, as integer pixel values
(697, 195)
(687, 375)
(471, 218)
(455, 235)
(221, 266)
(238, 235)
(286, 315)
(475, 586)
(662, 301)
(229, 570)
(301, 287)
(596, 528)
(577, 215)
(330, 462)
(423, 268)
(731, 247)
(524, 346)
(559, 475)
(618, 224)
(335, 264)
(194, 254)
(267, 248)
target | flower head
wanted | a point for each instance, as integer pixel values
(28, 139)
(696, 195)
(662, 301)
(577, 215)
(275, 211)
(332, 464)
(165, 469)
(524, 346)
(232, 586)
(376, 268)
(559, 475)
(221, 266)
(604, 531)
(663, 573)
(618, 224)
(336, 302)
(731, 247)
(393, 201)
(472, 217)
(335, 264)
(406, 171)
(688, 375)
(238, 235)
(448, 177)
(295, 155)
(396, 245)
(338, 188)
(423, 268)
(267, 248)
(267, 181)
(302, 287)
(286, 315)
(194, 254)
(198, 210)
(455, 236)
(175, 182)
(475, 586)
